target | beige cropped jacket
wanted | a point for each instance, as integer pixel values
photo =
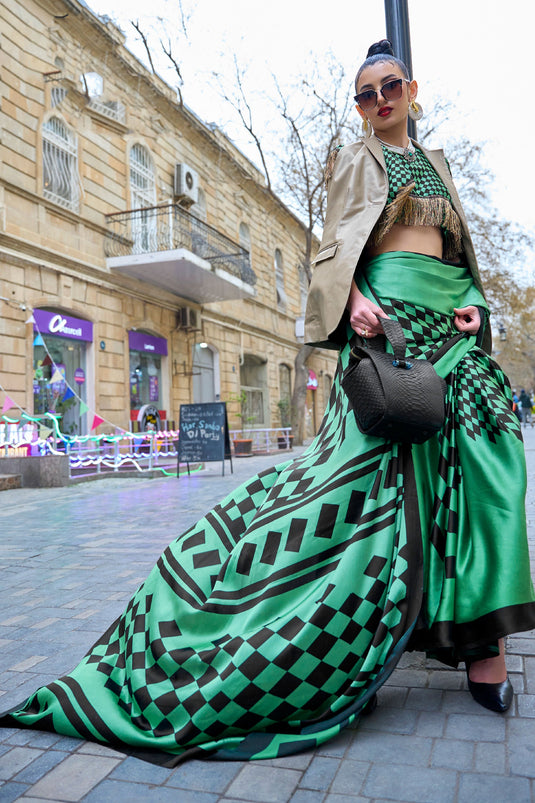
(357, 195)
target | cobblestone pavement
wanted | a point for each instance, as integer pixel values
(70, 559)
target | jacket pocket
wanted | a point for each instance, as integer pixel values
(326, 253)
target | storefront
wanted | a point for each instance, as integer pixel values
(60, 360)
(145, 354)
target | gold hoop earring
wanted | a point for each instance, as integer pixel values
(415, 111)
(367, 129)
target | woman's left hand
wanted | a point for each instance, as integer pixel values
(467, 319)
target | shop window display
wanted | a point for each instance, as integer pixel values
(68, 358)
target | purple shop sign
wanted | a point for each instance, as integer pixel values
(139, 341)
(79, 376)
(54, 323)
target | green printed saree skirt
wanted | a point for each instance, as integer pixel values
(266, 628)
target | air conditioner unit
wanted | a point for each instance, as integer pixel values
(188, 319)
(186, 187)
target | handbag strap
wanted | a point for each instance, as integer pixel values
(396, 338)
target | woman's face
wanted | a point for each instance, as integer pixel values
(387, 115)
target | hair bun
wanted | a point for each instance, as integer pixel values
(384, 46)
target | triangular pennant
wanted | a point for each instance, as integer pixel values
(69, 394)
(38, 341)
(47, 360)
(8, 404)
(83, 408)
(96, 421)
(44, 432)
(57, 376)
(31, 319)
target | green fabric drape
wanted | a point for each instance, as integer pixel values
(265, 628)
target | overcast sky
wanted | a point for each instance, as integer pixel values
(476, 53)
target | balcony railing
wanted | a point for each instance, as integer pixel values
(170, 227)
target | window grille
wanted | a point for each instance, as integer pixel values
(143, 194)
(279, 279)
(60, 165)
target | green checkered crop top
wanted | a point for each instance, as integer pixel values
(417, 196)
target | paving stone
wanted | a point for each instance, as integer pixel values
(521, 744)
(73, 778)
(529, 665)
(382, 746)
(424, 699)
(320, 773)
(390, 720)
(15, 760)
(204, 776)
(411, 784)
(462, 702)
(350, 777)
(430, 723)
(345, 799)
(523, 646)
(484, 786)
(456, 754)
(268, 785)
(514, 663)
(40, 766)
(526, 705)
(307, 796)
(12, 791)
(476, 728)
(133, 769)
(408, 677)
(490, 757)
(121, 792)
(440, 679)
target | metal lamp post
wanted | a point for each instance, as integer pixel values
(398, 33)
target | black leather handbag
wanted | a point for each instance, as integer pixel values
(393, 396)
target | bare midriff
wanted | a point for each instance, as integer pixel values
(417, 239)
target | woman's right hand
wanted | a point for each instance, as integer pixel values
(364, 314)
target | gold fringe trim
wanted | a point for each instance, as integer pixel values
(329, 167)
(411, 210)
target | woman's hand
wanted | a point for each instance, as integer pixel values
(364, 314)
(467, 319)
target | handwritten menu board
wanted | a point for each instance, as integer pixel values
(204, 435)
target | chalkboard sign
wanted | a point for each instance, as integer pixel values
(203, 435)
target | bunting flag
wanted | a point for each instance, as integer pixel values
(69, 394)
(31, 319)
(8, 404)
(44, 432)
(83, 408)
(47, 360)
(38, 339)
(57, 376)
(96, 421)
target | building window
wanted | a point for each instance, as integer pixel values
(285, 394)
(253, 381)
(199, 210)
(245, 238)
(279, 279)
(143, 195)
(60, 164)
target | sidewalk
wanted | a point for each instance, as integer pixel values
(71, 558)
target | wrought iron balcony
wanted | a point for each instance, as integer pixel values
(170, 248)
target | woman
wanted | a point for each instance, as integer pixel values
(268, 627)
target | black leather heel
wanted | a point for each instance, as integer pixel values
(494, 696)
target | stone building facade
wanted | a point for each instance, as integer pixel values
(141, 254)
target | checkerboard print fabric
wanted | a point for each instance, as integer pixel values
(427, 182)
(267, 627)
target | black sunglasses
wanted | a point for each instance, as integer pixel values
(392, 90)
